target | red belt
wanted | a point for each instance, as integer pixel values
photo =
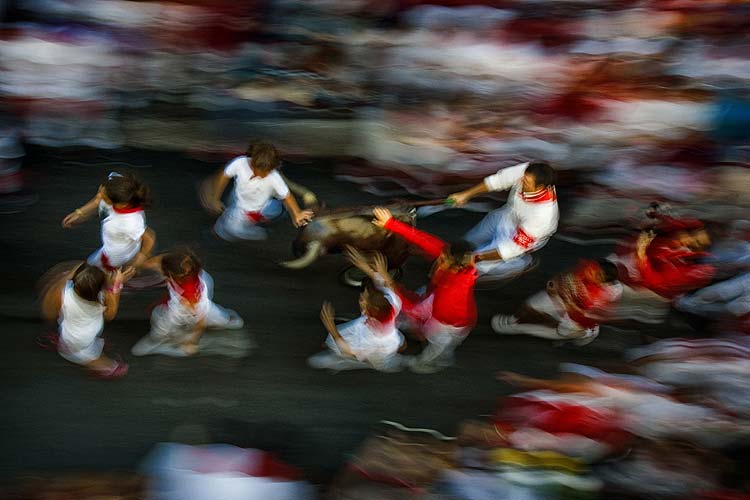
(106, 264)
(255, 217)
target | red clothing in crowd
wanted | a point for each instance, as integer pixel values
(590, 297)
(453, 290)
(672, 271)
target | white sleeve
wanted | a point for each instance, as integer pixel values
(280, 188)
(505, 178)
(137, 229)
(390, 295)
(233, 167)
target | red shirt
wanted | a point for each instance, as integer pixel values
(453, 290)
(673, 271)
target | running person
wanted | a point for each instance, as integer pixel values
(126, 241)
(506, 236)
(259, 195)
(571, 307)
(178, 324)
(446, 313)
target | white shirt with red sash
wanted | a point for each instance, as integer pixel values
(533, 217)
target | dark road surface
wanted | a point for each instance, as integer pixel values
(53, 416)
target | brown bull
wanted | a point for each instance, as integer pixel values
(332, 231)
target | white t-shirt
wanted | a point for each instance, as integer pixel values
(251, 192)
(180, 313)
(121, 234)
(81, 321)
(533, 216)
(369, 339)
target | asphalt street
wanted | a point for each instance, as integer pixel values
(55, 417)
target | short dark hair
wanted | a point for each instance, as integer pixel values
(456, 252)
(609, 270)
(459, 248)
(264, 156)
(179, 263)
(543, 173)
(88, 282)
(378, 306)
(126, 188)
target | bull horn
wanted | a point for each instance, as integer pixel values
(311, 253)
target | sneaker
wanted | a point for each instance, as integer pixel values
(119, 370)
(502, 323)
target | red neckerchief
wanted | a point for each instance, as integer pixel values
(379, 322)
(127, 210)
(541, 196)
(189, 288)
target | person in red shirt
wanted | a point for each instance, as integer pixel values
(669, 265)
(571, 307)
(446, 313)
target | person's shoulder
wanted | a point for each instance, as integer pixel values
(235, 164)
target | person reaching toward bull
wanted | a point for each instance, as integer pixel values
(505, 237)
(259, 196)
(372, 340)
(446, 313)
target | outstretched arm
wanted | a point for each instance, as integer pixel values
(500, 181)
(430, 245)
(326, 316)
(112, 294)
(212, 191)
(84, 212)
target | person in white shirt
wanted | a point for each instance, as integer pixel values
(372, 340)
(180, 321)
(259, 196)
(126, 241)
(87, 298)
(506, 236)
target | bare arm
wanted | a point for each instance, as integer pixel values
(82, 213)
(112, 294)
(490, 255)
(147, 245)
(326, 316)
(308, 197)
(462, 197)
(211, 192)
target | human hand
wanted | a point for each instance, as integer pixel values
(128, 273)
(302, 218)
(215, 207)
(459, 199)
(358, 260)
(380, 265)
(73, 218)
(382, 216)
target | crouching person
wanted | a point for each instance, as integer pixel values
(179, 322)
(571, 307)
(88, 298)
(372, 340)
